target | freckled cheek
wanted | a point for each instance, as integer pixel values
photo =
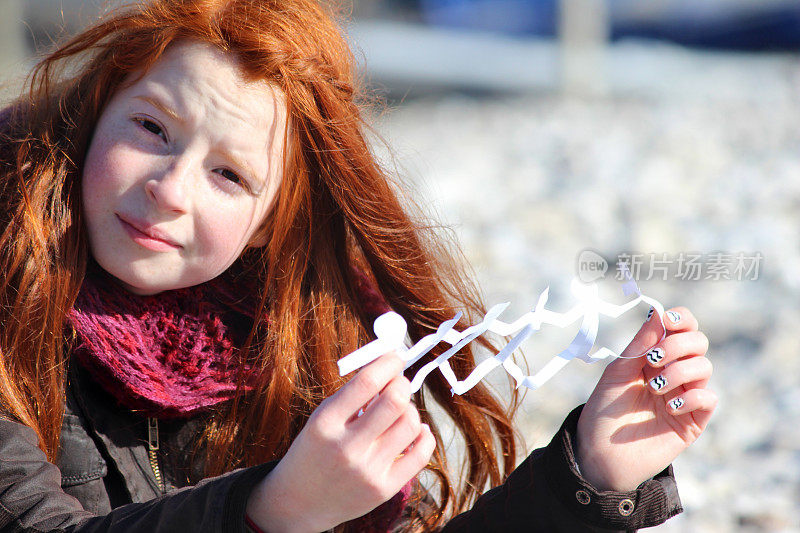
(112, 167)
(222, 234)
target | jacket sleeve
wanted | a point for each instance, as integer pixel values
(31, 499)
(546, 493)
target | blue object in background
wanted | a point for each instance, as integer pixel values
(754, 27)
(528, 17)
(773, 25)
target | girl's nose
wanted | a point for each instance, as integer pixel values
(168, 190)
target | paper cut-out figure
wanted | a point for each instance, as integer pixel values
(390, 330)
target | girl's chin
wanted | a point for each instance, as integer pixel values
(138, 284)
(146, 277)
(140, 289)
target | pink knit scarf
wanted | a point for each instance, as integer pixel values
(176, 353)
(169, 355)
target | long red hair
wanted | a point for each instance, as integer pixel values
(336, 210)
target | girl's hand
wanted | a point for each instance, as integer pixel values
(645, 411)
(341, 465)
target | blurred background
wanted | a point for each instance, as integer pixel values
(659, 129)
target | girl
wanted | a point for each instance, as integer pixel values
(195, 231)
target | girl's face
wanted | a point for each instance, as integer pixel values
(182, 169)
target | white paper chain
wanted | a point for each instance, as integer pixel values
(390, 331)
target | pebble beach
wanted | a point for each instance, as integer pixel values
(706, 164)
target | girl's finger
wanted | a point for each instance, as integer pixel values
(390, 405)
(367, 383)
(395, 440)
(415, 458)
(680, 373)
(649, 334)
(679, 319)
(699, 384)
(699, 403)
(677, 346)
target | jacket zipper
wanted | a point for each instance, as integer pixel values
(152, 450)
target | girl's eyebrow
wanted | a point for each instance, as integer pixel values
(158, 104)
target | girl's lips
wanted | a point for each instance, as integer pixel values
(146, 237)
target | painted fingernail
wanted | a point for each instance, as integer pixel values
(650, 314)
(658, 382)
(676, 404)
(655, 355)
(674, 317)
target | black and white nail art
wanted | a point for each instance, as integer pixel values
(650, 314)
(655, 355)
(676, 404)
(674, 317)
(658, 382)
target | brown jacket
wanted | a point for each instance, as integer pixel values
(105, 482)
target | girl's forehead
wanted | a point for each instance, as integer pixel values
(202, 88)
(203, 73)
(201, 60)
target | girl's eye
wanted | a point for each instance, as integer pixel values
(152, 127)
(231, 176)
